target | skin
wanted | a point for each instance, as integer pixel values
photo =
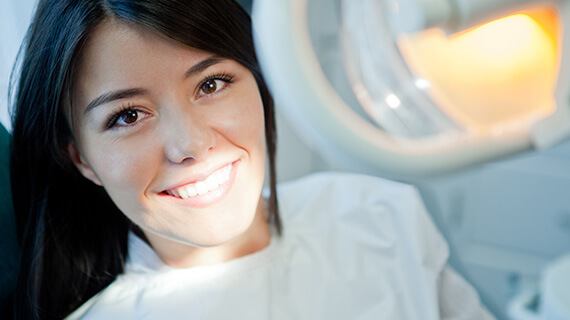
(180, 130)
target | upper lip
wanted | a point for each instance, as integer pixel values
(199, 177)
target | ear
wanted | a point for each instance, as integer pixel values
(82, 165)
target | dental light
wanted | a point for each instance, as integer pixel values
(417, 87)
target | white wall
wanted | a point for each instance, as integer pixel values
(14, 19)
(294, 157)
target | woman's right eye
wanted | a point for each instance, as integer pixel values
(125, 118)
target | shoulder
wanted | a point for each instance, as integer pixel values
(356, 208)
(338, 177)
(340, 194)
(115, 301)
(319, 186)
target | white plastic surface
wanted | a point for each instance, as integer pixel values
(553, 298)
(557, 127)
(468, 13)
(417, 15)
(14, 20)
(308, 99)
(556, 290)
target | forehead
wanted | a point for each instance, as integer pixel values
(121, 55)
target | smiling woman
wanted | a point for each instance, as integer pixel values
(161, 106)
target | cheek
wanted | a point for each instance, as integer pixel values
(247, 132)
(246, 121)
(124, 168)
(252, 124)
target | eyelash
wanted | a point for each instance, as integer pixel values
(225, 77)
(112, 121)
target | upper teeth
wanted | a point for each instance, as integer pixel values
(212, 182)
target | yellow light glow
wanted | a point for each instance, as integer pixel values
(501, 72)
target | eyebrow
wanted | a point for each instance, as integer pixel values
(202, 65)
(114, 95)
(134, 92)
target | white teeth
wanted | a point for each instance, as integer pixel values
(202, 187)
(213, 179)
(182, 192)
(191, 191)
(211, 184)
(226, 173)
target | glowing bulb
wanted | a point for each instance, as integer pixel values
(502, 71)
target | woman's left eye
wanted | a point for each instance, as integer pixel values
(213, 85)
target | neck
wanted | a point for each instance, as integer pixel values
(178, 255)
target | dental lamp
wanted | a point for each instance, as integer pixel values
(412, 88)
(416, 88)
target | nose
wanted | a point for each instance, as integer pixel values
(187, 136)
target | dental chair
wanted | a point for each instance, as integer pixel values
(8, 244)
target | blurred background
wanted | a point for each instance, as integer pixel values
(504, 220)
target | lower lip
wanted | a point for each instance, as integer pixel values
(210, 198)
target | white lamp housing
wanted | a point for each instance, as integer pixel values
(452, 15)
(417, 139)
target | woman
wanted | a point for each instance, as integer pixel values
(141, 133)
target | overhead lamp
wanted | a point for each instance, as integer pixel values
(409, 88)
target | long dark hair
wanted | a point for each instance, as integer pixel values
(73, 237)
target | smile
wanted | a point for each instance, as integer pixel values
(207, 191)
(211, 183)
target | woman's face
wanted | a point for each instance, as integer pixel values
(173, 134)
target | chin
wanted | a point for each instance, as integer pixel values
(212, 237)
(210, 240)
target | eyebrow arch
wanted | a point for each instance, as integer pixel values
(114, 95)
(203, 65)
